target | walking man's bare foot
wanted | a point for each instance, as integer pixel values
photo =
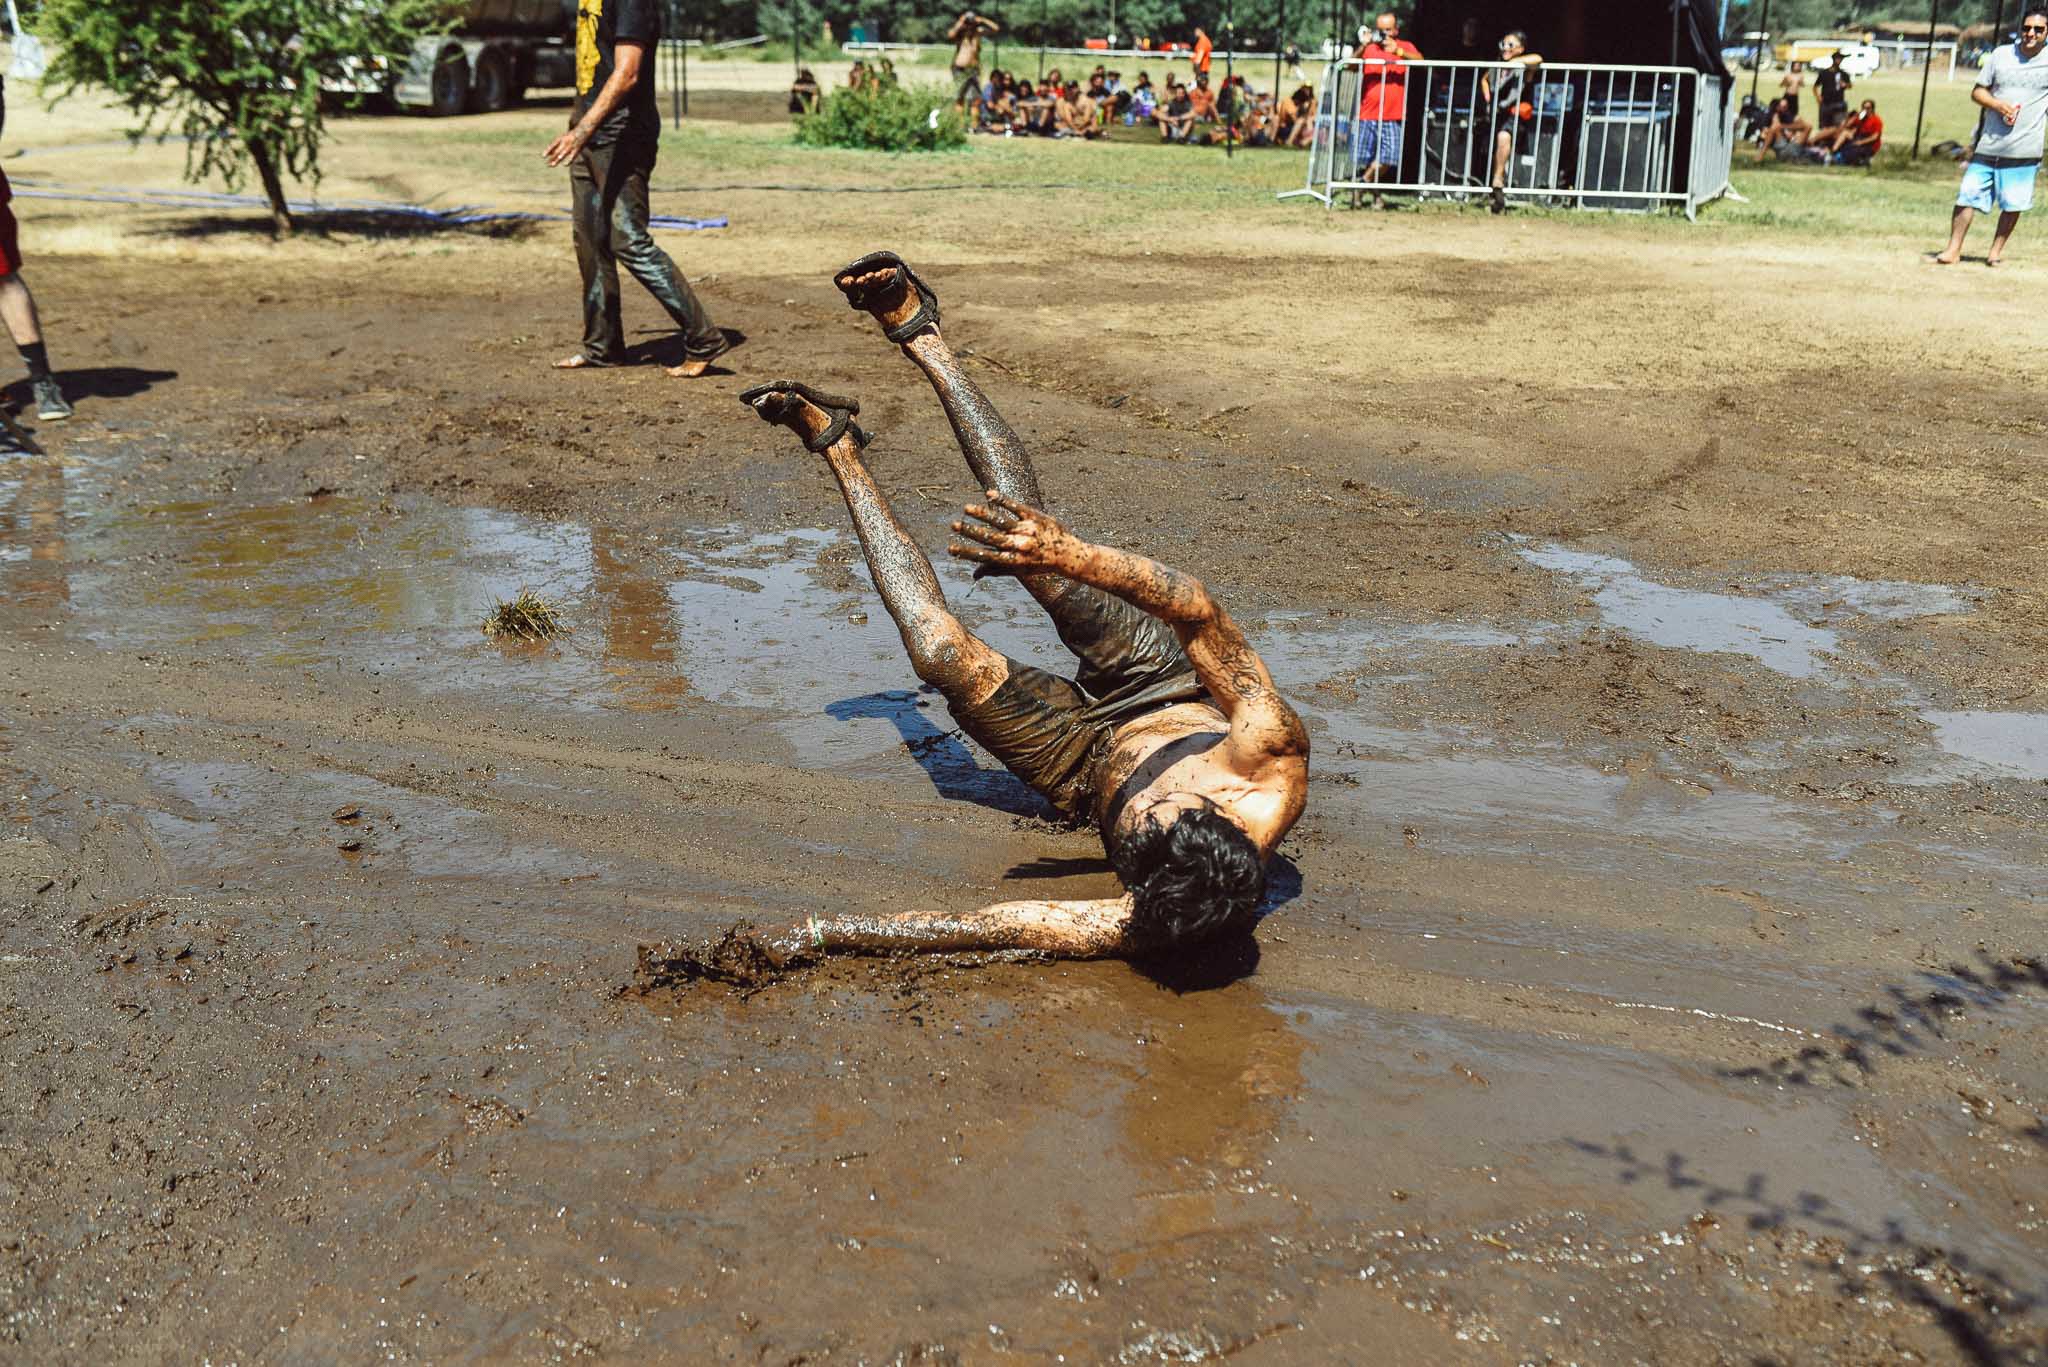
(688, 370)
(1946, 258)
(881, 284)
(582, 360)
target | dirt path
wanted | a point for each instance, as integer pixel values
(1657, 973)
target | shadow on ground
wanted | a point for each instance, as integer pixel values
(1910, 1021)
(353, 223)
(1987, 1317)
(945, 758)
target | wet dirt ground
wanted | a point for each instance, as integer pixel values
(1657, 974)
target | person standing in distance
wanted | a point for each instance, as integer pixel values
(968, 31)
(18, 306)
(2013, 90)
(614, 134)
(1382, 103)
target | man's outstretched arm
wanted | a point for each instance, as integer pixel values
(1021, 540)
(1093, 929)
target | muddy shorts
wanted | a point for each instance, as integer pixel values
(1055, 733)
(10, 232)
(967, 84)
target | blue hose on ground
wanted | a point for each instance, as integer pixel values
(461, 216)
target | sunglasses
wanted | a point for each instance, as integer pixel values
(2034, 28)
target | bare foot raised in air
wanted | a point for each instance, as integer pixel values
(820, 420)
(883, 285)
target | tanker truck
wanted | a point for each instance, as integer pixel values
(500, 50)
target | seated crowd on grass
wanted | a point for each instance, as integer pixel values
(1060, 107)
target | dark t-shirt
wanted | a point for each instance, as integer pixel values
(1828, 85)
(601, 25)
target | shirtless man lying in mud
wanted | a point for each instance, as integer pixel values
(1171, 740)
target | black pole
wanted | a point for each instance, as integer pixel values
(1280, 41)
(684, 49)
(1997, 23)
(1229, 54)
(1674, 30)
(1041, 45)
(1926, 70)
(1756, 65)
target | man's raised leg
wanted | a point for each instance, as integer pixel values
(944, 653)
(1106, 635)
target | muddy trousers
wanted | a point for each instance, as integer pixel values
(608, 189)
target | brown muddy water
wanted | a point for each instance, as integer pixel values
(321, 1042)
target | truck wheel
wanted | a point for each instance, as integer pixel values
(451, 84)
(493, 89)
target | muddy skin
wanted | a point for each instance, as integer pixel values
(942, 651)
(749, 959)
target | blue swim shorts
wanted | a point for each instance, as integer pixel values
(2007, 186)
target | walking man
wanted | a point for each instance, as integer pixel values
(18, 306)
(614, 134)
(2013, 90)
(968, 31)
(1171, 739)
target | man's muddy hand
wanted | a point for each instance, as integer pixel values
(564, 149)
(1013, 538)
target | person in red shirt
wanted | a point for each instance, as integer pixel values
(1859, 138)
(1382, 103)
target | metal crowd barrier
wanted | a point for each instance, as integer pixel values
(1597, 137)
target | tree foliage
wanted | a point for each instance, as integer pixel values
(240, 80)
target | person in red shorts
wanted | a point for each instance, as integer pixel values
(18, 306)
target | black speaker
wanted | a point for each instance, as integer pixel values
(1627, 147)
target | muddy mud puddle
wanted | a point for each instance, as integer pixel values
(1565, 1048)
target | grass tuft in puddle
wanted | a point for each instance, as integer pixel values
(527, 617)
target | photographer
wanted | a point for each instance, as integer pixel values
(968, 31)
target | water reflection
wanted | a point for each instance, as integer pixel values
(639, 627)
(1216, 1077)
(32, 532)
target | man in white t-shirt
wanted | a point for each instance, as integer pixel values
(2013, 89)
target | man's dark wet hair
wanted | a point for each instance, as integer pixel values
(1189, 880)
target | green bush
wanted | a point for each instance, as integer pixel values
(888, 119)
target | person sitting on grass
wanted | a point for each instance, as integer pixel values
(1298, 117)
(1861, 137)
(1785, 125)
(998, 107)
(1202, 101)
(1176, 118)
(1099, 95)
(1074, 115)
(1144, 101)
(1171, 740)
(1039, 114)
(857, 76)
(1251, 122)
